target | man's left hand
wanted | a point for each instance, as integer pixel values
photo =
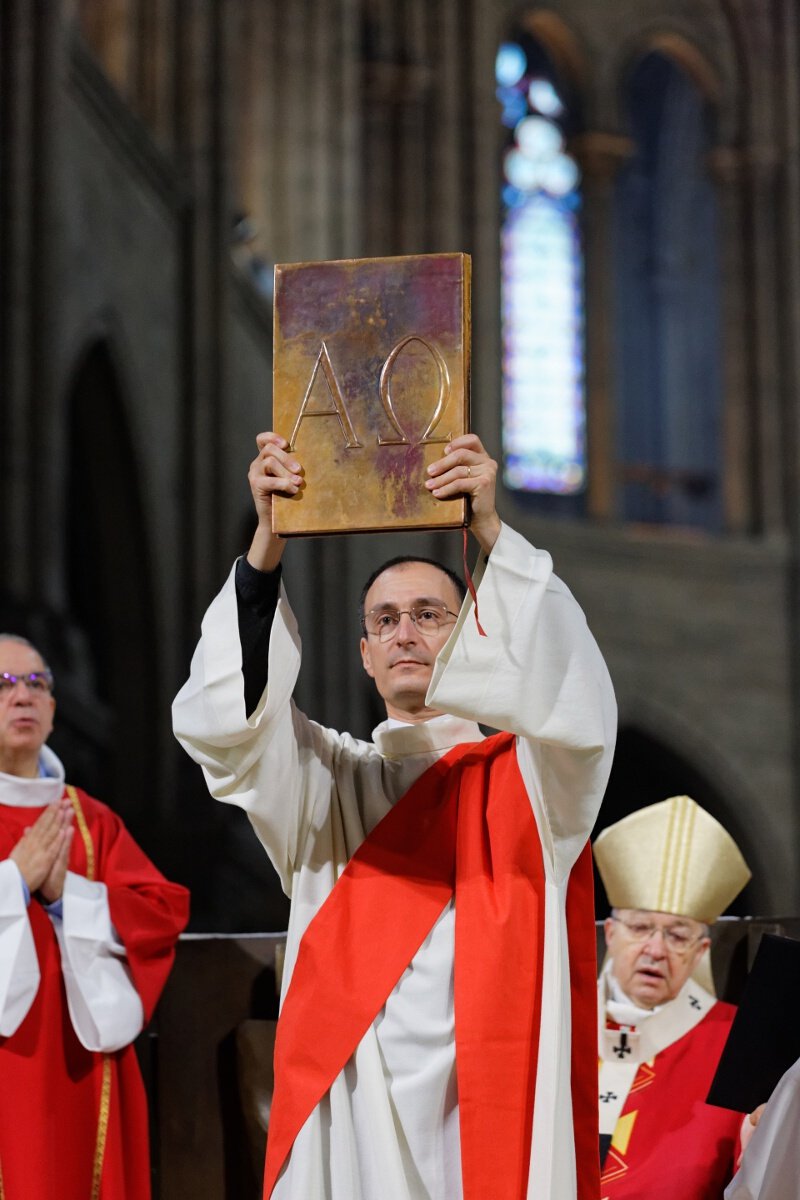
(466, 469)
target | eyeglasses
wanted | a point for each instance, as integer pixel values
(383, 623)
(40, 682)
(679, 939)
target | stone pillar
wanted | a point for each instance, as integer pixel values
(600, 155)
(349, 197)
(739, 457)
(762, 203)
(450, 84)
(479, 197)
(153, 32)
(204, 235)
(109, 29)
(320, 147)
(382, 91)
(760, 168)
(19, 153)
(788, 48)
(32, 64)
(418, 125)
(250, 77)
(789, 224)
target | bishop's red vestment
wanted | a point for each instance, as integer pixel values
(73, 1122)
(668, 1144)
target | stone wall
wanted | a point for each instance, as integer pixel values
(129, 149)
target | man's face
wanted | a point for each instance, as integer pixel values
(26, 715)
(652, 969)
(402, 666)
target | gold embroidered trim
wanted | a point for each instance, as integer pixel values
(83, 829)
(105, 1087)
(622, 1134)
(102, 1128)
(689, 815)
(675, 861)
(666, 861)
(2, 1190)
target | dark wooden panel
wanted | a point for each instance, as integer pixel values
(201, 1146)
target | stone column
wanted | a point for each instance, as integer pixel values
(762, 202)
(600, 155)
(739, 456)
(199, 120)
(108, 28)
(418, 127)
(479, 186)
(759, 232)
(349, 198)
(450, 86)
(789, 224)
(152, 27)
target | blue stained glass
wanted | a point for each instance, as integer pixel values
(544, 98)
(509, 95)
(514, 109)
(544, 418)
(513, 197)
(510, 64)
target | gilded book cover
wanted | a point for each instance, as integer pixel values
(370, 380)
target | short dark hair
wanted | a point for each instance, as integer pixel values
(401, 560)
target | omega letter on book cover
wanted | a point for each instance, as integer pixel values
(370, 380)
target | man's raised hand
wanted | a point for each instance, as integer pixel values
(274, 469)
(466, 469)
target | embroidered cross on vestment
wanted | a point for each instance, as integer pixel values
(623, 1048)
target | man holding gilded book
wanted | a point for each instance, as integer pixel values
(437, 1029)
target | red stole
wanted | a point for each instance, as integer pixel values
(465, 829)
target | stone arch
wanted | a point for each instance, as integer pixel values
(647, 769)
(669, 754)
(685, 54)
(109, 582)
(713, 69)
(561, 43)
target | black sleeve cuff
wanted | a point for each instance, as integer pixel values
(257, 590)
(257, 595)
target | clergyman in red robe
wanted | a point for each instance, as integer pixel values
(88, 927)
(669, 871)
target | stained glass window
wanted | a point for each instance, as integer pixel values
(544, 419)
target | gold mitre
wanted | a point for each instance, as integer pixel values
(671, 857)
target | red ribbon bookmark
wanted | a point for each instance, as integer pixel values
(471, 587)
